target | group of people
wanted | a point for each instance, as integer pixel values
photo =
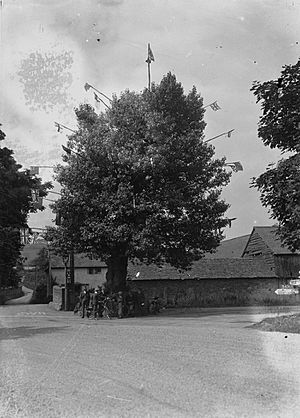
(97, 303)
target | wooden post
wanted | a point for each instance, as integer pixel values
(149, 74)
(49, 278)
(71, 285)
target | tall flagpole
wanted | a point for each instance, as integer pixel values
(150, 57)
(149, 74)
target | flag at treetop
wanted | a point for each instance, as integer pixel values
(236, 166)
(67, 150)
(87, 86)
(34, 170)
(150, 55)
(57, 125)
(97, 98)
(214, 106)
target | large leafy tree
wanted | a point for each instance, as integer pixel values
(16, 203)
(279, 127)
(140, 183)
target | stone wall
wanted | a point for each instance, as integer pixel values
(216, 292)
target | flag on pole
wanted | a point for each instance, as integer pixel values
(150, 55)
(34, 170)
(229, 133)
(67, 150)
(214, 106)
(57, 125)
(235, 166)
(230, 221)
(97, 98)
(87, 86)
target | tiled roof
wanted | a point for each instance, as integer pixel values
(80, 261)
(268, 235)
(226, 268)
(230, 248)
(31, 252)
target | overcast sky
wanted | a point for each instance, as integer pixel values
(50, 49)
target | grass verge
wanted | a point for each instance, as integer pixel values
(285, 323)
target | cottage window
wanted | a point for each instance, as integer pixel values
(94, 270)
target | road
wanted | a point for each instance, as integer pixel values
(197, 364)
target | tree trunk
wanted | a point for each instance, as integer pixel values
(116, 272)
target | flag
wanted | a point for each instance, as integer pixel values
(67, 150)
(229, 133)
(214, 106)
(58, 126)
(87, 86)
(97, 98)
(236, 166)
(34, 170)
(150, 55)
(229, 220)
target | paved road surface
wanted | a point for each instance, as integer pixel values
(207, 364)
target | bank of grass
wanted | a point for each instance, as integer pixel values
(284, 323)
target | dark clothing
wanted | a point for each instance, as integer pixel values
(120, 306)
(85, 300)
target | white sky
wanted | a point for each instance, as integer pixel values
(219, 46)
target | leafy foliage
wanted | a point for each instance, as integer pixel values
(15, 204)
(279, 126)
(142, 184)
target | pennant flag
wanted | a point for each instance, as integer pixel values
(229, 133)
(214, 106)
(97, 98)
(150, 55)
(235, 166)
(34, 170)
(87, 86)
(57, 125)
(230, 221)
(67, 150)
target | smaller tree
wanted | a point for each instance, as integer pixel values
(16, 202)
(279, 127)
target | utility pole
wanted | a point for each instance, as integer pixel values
(69, 282)
(72, 287)
(49, 278)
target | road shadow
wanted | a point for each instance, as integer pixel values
(25, 332)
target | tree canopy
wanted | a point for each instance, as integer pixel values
(140, 183)
(16, 202)
(279, 127)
